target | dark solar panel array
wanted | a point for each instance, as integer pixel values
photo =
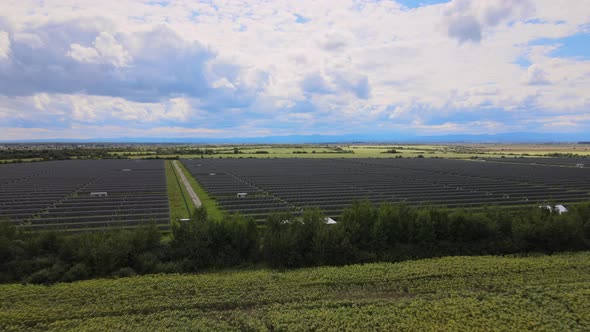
(333, 184)
(58, 194)
(559, 161)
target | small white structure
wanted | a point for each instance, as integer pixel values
(330, 221)
(241, 195)
(184, 220)
(211, 173)
(580, 165)
(558, 208)
(98, 194)
(126, 170)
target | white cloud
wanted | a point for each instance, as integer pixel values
(4, 45)
(41, 101)
(536, 76)
(84, 54)
(468, 19)
(179, 109)
(352, 64)
(105, 49)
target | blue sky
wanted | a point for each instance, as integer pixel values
(576, 46)
(215, 69)
(420, 3)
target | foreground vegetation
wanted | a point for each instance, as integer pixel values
(541, 293)
(364, 234)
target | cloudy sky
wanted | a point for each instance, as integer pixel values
(121, 68)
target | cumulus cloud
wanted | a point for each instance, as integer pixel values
(251, 68)
(536, 76)
(142, 66)
(105, 49)
(4, 45)
(315, 83)
(83, 54)
(465, 28)
(335, 82)
(467, 19)
(334, 42)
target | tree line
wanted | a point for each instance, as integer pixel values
(364, 233)
(56, 154)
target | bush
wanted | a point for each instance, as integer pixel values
(47, 275)
(124, 272)
(364, 233)
(77, 272)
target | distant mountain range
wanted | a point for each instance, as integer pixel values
(351, 138)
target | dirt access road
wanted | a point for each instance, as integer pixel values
(187, 185)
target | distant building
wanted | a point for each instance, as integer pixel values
(99, 194)
(241, 195)
(580, 165)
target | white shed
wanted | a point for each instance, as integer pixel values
(558, 208)
(330, 221)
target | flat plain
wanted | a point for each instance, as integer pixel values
(454, 151)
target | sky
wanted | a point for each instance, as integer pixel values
(78, 69)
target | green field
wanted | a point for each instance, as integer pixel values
(356, 150)
(455, 151)
(540, 293)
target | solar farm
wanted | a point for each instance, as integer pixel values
(571, 162)
(122, 193)
(84, 194)
(259, 187)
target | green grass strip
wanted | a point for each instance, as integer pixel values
(180, 207)
(213, 209)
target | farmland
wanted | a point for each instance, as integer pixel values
(455, 151)
(549, 293)
(290, 185)
(68, 194)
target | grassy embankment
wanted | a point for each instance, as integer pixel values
(541, 293)
(213, 209)
(180, 204)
